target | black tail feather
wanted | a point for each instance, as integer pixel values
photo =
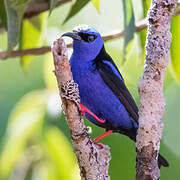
(132, 135)
(162, 161)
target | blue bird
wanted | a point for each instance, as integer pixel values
(105, 99)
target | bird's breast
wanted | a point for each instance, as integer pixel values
(98, 97)
(86, 77)
(88, 80)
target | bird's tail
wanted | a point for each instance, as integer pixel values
(132, 135)
(162, 161)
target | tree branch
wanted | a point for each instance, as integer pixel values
(93, 162)
(37, 51)
(141, 25)
(152, 103)
(36, 7)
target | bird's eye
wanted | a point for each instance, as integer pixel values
(91, 38)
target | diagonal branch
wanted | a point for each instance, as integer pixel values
(37, 51)
(36, 7)
(141, 25)
(93, 162)
(152, 103)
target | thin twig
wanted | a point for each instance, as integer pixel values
(24, 52)
(93, 161)
(37, 51)
(141, 25)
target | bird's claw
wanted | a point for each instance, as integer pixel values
(83, 109)
(99, 145)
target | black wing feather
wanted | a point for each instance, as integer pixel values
(120, 90)
(115, 83)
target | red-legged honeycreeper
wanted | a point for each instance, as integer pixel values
(105, 99)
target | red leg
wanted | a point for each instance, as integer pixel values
(85, 109)
(82, 109)
(102, 135)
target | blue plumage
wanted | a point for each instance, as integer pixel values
(101, 86)
(114, 69)
(94, 92)
(97, 97)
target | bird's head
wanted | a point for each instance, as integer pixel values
(87, 42)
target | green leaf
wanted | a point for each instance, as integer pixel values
(37, 21)
(61, 154)
(52, 5)
(96, 4)
(129, 24)
(3, 17)
(49, 77)
(15, 10)
(142, 34)
(146, 6)
(24, 121)
(31, 36)
(75, 8)
(175, 46)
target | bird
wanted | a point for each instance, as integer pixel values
(105, 99)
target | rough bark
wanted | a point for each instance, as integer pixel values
(93, 162)
(152, 103)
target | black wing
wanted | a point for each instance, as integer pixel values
(115, 82)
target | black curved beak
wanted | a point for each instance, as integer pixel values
(73, 35)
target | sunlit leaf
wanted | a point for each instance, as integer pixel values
(41, 169)
(50, 78)
(76, 7)
(175, 46)
(15, 10)
(3, 17)
(31, 36)
(96, 4)
(52, 5)
(38, 21)
(24, 121)
(145, 6)
(142, 34)
(129, 24)
(60, 152)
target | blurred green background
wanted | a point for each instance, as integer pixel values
(34, 137)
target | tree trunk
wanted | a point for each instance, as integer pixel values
(93, 161)
(152, 103)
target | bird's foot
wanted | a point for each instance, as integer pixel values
(85, 109)
(99, 145)
(82, 110)
(102, 136)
